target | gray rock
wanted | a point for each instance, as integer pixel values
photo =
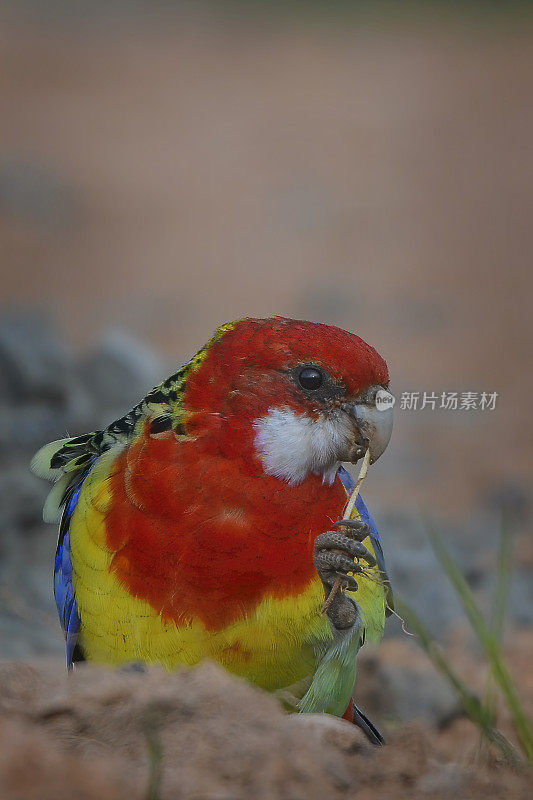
(35, 362)
(415, 572)
(511, 498)
(28, 425)
(419, 579)
(120, 371)
(404, 689)
(41, 394)
(521, 598)
(21, 498)
(328, 729)
(22, 637)
(444, 780)
(47, 393)
(28, 619)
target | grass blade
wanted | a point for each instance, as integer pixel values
(151, 728)
(471, 703)
(500, 602)
(503, 579)
(490, 644)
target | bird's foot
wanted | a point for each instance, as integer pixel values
(333, 556)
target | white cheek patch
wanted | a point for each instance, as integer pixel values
(291, 445)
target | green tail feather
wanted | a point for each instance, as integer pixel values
(333, 681)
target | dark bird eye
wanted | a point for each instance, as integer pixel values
(310, 378)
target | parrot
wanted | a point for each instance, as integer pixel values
(205, 522)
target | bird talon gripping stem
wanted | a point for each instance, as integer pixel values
(339, 581)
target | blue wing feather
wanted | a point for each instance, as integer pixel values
(63, 587)
(349, 484)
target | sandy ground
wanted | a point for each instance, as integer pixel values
(203, 734)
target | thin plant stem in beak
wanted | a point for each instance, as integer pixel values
(348, 511)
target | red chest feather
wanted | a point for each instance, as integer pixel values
(201, 536)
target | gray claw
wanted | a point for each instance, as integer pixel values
(332, 540)
(330, 566)
(357, 528)
(333, 557)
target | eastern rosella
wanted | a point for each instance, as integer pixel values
(198, 525)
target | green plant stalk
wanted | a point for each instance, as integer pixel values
(490, 644)
(151, 729)
(503, 578)
(500, 602)
(471, 703)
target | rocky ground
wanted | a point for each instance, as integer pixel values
(205, 735)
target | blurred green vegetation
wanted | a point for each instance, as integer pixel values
(482, 712)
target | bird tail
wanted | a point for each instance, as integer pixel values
(355, 715)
